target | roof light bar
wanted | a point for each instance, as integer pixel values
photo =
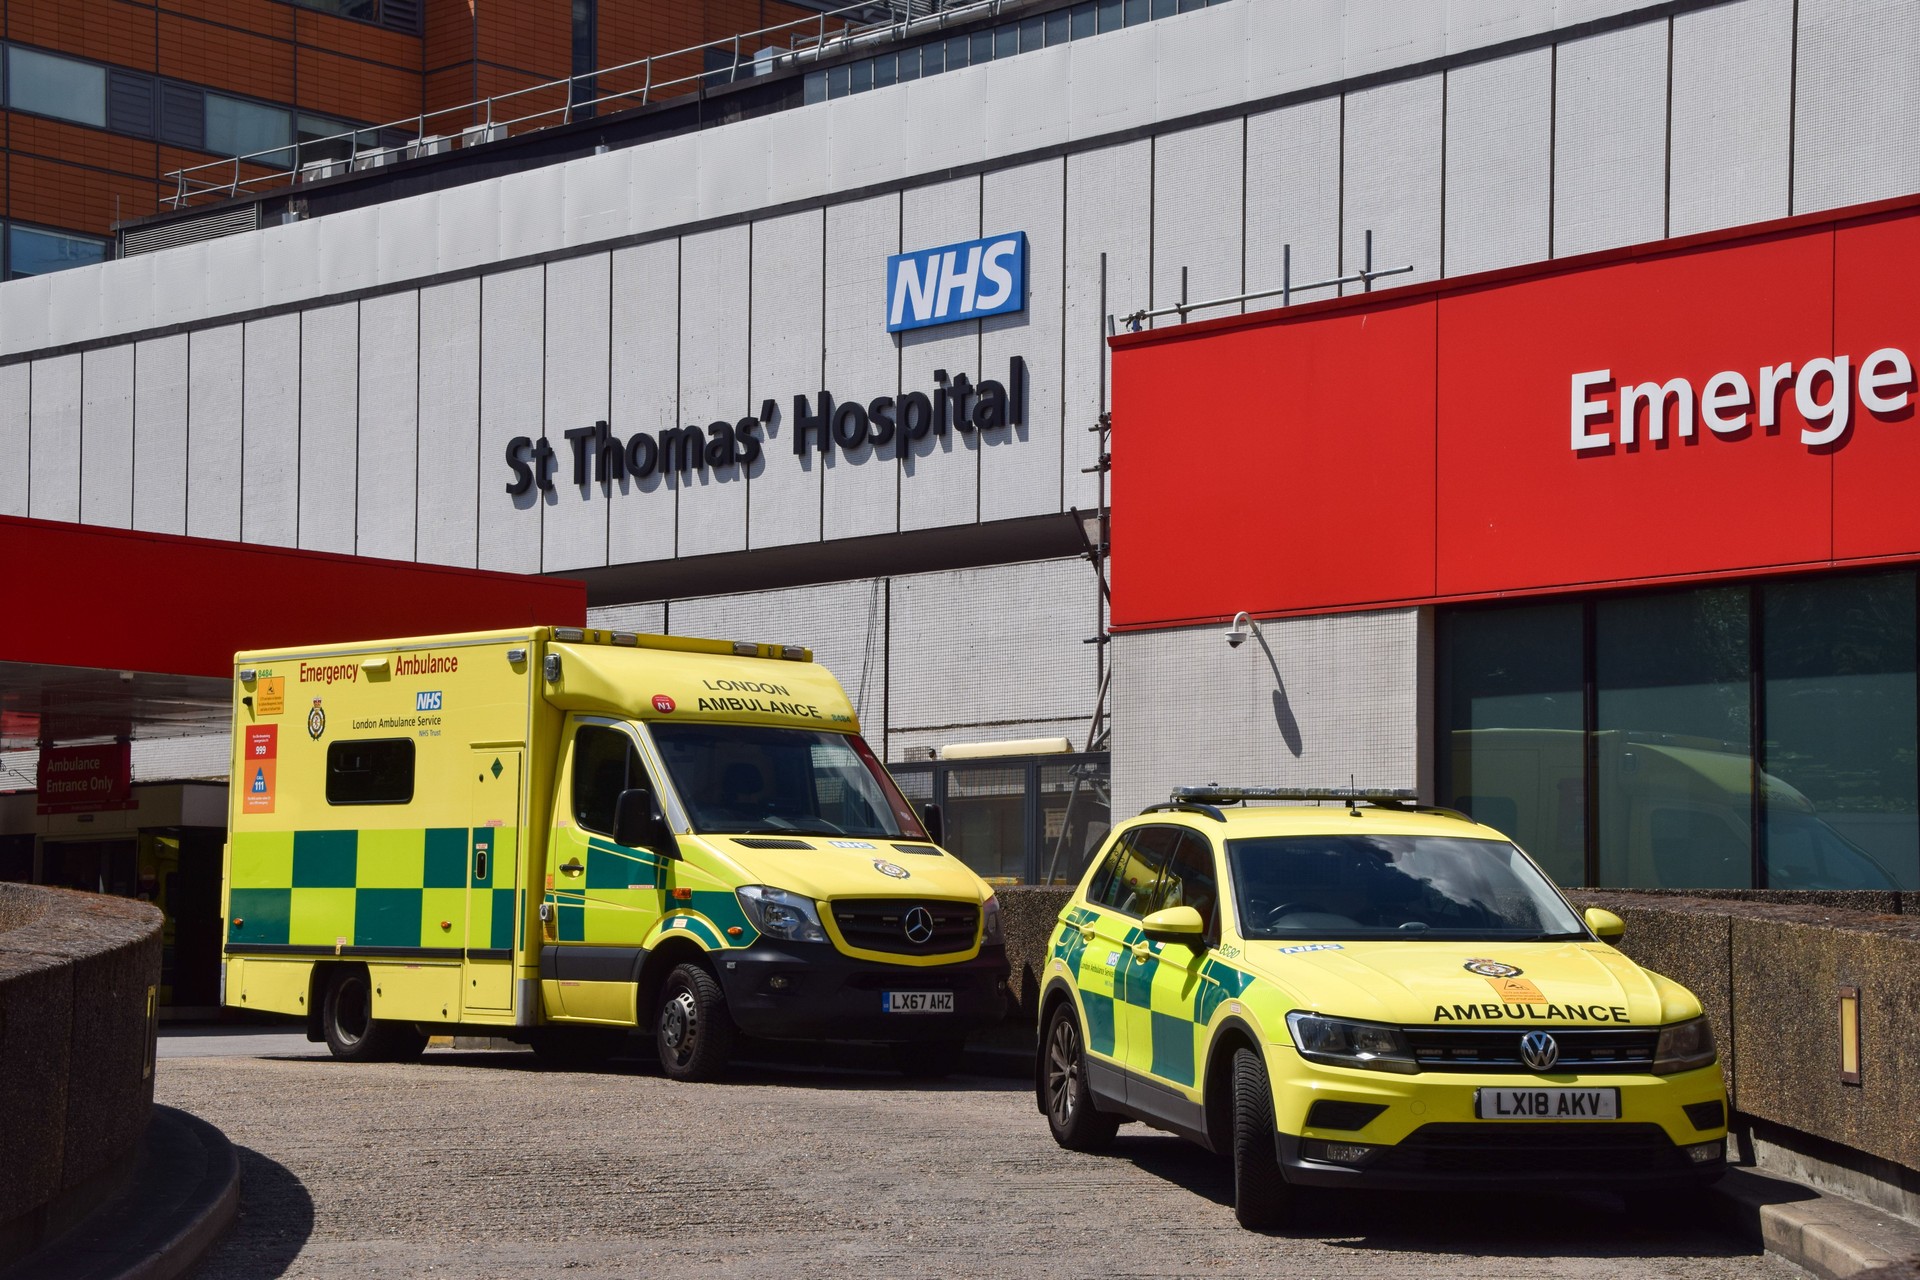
(1211, 794)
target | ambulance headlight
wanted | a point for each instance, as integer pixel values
(991, 930)
(1684, 1046)
(779, 914)
(1336, 1042)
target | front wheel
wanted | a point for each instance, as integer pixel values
(1071, 1115)
(1260, 1192)
(693, 1030)
(354, 1034)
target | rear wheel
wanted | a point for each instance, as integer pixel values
(927, 1059)
(354, 1034)
(1260, 1192)
(1071, 1115)
(693, 1030)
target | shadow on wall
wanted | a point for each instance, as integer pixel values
(1282, 708)
(274, 1224)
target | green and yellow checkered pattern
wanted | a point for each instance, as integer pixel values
(378, 889)
(1157, 1007)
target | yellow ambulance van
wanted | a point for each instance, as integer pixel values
(561, 835)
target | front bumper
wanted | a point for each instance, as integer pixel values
(1670, 1132)
(810, 991)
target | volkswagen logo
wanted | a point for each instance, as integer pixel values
(918, 926)
(1539, 1051)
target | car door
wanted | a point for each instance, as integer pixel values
(1116, 973)
(603, 898)
(1165, 1054)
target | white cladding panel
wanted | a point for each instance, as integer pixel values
(800, 152)
(469, 226)
(234, 273)
(844, 623)
(1108, 82)
(512, 350)
(160, 434)
(177, 282)
(409, 235)
(73, 306)
(329, 465)
(289, 262)
(646, 392)
(1475, 24)
(598, 197)
(714, 300)
(106, 437)
(1201, 61)
(345, 264)
(1382, 34)
(532, 205)
(1293, 197)
(940, 473)
(860, 487)
(1610, 140)
(270, 432)
(579, 300)
(665, 182)
(1293, 46)
(450, 463)
(732, 173)
(869, 138)
(1341, 698)
(1199, 201)
(15, 435)
(1732, 115)
(1857, 96)
(783, 491)
(1020, 466)
(389, 438)
(1499, 162)
(1028, 100)
(1110, 211)
(214, 439)
(1393, 146)
(54, 447)
(946, 119)
(991, 653)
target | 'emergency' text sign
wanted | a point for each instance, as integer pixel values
(957, 282)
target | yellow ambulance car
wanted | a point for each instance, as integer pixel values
(561, 835)
(1364, 993)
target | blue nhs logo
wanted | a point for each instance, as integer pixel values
(427, 700)
(957, 282)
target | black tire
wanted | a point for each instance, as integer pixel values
(576, 1048)
(354, 1034)
(693, 1030)
(1261, 1196)
(1075, 1122)
(927, 1059)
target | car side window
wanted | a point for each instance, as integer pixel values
(1190, 881)
(604, 765)
(1127, 880)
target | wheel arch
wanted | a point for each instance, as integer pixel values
(1216, 1092)
(673, 951)
(1057, 992)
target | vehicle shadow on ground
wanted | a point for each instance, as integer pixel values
(1586, 1224)
(272, 1227)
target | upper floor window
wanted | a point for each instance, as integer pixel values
(49, 85)
(236, 127)
(33, 252)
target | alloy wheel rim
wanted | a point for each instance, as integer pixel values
(1062, 1071)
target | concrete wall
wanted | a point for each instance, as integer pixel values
(1308, 702)
(78, 976)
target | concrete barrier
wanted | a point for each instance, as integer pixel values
(79, 973)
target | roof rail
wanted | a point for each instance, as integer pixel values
(1395, 797)
(1186, 806)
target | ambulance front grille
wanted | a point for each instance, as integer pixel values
(883, 924)
(1533, 1151)
(1487, 1049)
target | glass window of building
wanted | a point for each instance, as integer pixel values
(986, 820)
(236, 127)
(33, 252)
(1838, 745)
(1673, 735)
(1515, 758)
(48, 85)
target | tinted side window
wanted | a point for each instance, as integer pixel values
(379, 771)
(604, 765)
(1132, 871)
(1190, 881)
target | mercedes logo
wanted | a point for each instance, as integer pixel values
(918, 926)
(1538, 1051)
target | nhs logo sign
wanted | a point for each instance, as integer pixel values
(957, 282)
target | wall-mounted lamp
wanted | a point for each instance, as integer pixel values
(1849, 1035)
(1240, 628)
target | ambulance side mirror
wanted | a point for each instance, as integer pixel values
(936, 824)
(638, 824)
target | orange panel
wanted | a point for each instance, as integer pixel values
(346, 87)
(246, 64)
(118, 33)
(359, 39)
(56, 194)
(265, 17)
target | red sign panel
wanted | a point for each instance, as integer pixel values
(1732, 405)
(85, 779)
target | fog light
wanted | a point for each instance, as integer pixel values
(1707, 1152)
(1335, 1152)
(778, 982)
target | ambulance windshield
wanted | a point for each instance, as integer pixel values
(1407, 888)
(758, 780)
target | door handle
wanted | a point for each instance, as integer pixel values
(1142, 952)
(1086, 935)
(573, 867)
(480, 863)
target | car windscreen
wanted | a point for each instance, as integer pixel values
(1405, 888)
(761, 780)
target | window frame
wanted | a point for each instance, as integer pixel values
(332, 771)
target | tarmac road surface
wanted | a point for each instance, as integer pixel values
(478, 1164)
